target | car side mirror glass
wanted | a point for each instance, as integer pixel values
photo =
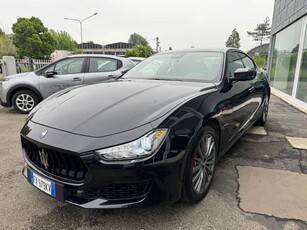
(244, 74)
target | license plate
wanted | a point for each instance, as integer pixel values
(42, 184)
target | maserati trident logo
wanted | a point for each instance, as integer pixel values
(43, 134)
(44, 158)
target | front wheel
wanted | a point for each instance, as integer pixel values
(264, 115)
(24, 101)
(200, 165)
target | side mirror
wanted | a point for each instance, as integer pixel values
(244, 74)
(124, 71)
(50, 74)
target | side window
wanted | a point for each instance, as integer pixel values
(234, 63)
(104, 65)
(67, 66)
(248, 63)
(71, 66)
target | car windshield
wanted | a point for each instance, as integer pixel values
(180, 66)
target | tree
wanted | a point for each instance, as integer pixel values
(32, 38)
(261, 32)
(6, 47)
(1, 32)
(140, 51)
(64, 41)
(233, 39)
(137, 39)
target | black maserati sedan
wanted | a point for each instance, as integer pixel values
(153, 135)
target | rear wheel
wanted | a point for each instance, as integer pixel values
(24, 101)
(200, 165)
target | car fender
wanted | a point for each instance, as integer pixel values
(22, 87)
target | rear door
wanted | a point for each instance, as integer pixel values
(102, 68)
(68, 72)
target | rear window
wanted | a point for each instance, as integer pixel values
(104, 65)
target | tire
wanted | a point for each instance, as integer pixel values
(265, 111)
(199, 172)
(24, 101)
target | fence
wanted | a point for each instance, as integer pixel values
(20, 65)
(28, 65)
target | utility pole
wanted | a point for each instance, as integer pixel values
(157, 44)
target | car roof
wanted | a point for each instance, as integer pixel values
(137, 58)
(97, 55)
(220, 50)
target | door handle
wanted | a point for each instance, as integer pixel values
(251, 89)
(77, 79)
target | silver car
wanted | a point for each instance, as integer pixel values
(24, 91)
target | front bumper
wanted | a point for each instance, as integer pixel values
(4, 104)
(155, 180)
(3, 101)
(66, 193)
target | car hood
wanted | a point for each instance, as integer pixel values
(113, 107)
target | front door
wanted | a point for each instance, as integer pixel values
(68, 72)
(240, 104)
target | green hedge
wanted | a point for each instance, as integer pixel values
(260, 61)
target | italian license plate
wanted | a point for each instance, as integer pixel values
(42, 184)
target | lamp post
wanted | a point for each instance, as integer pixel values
(80, 22)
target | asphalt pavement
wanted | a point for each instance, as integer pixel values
(241, 197)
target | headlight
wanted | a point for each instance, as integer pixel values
(142, 147)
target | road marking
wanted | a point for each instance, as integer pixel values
(271, 192)
(298, 142)
(257, 130)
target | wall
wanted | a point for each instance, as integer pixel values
(288, 51)
(286, 12)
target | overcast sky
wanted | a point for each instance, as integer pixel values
(179, 24)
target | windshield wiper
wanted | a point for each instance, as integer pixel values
(165, 79)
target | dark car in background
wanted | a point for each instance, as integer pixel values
(25, 90)
(153, 135)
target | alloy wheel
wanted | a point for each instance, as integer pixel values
(203, 163)
(25, 102)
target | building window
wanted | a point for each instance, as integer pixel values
(302, 82)
(285, 51)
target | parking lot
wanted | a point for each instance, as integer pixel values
(261, 183)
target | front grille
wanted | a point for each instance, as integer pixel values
(60, 164)
(116, 191)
